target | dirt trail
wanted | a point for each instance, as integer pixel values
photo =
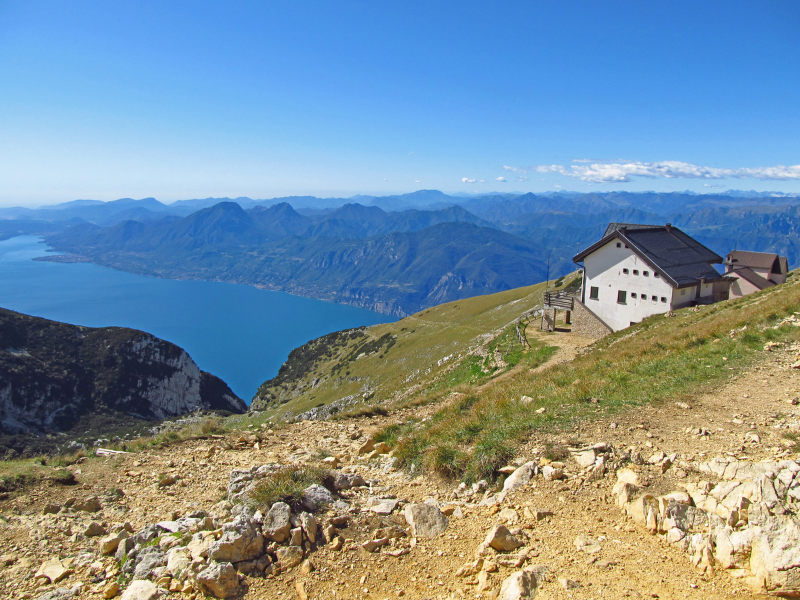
(747, 417)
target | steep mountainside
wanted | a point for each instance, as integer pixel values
(53, 374)
(433, 350)
(397, 273)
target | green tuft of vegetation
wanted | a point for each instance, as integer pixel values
(287, 486)
(64, 477)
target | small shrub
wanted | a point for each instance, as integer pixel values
(287, 485)
(555, 452)
(750, 338)
(65, 460)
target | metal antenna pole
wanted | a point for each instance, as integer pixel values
(547, 285)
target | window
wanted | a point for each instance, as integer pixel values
(633, 295)
(635, 272)
(619, 245)
(683, 292)
(654, 298)
(644, 296)
(621, 297)
(663, 299)
(655, 274)
(646, 273)
(594, 293)
(625, 271)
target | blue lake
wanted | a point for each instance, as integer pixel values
(236, 332)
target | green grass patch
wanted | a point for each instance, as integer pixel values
(660, 359)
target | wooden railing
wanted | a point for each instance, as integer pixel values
(559, 300)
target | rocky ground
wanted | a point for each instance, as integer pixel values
(656, 502)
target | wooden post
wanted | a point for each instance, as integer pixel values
(567, 318)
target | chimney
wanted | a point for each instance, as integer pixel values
(669, 227)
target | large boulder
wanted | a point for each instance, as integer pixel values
(178, 559)
(345, 481)
(520, 477)
(62, 593)
(289, 556)
(241, 540)
(141, 590)
(149, 563)
(276, 523)
(520, 585)
(316, 497)
(426, 521)
(775, 555)
(500, 538)
(52, 570)
(309, 524)
(219, 580)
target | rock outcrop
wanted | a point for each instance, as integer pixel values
(54, 374)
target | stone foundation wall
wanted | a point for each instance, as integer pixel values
(586, 324)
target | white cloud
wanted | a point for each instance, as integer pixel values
(468, 180)
(521, 178)
(501, 179)
(515, 169)
(670, 169)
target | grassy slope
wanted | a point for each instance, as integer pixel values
(663, 358)
(402, 359)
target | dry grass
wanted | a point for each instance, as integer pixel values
(424, 347)
(195, 431)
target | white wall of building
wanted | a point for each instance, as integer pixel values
(605, 270)
(685, 296)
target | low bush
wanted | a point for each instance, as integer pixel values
(287, 485)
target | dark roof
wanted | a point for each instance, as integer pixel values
(681, 259)
(755, 260)
(753, 277)
(612, 227)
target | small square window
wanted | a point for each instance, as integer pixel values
(646, 273)
(619, 245)
(594, 293)
(644, 296)
(625, 271)
(635, 272)
(622, 297)
(663, 299)
(633, 295)
(655, 274)
(683, 292)
(654, 298)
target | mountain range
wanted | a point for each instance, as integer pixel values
(395, 254)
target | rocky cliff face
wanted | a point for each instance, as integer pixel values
(53, 374)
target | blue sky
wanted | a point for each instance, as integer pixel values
(195, 99)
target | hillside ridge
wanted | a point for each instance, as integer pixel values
(686, 489)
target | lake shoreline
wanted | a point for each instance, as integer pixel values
(241, 333)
